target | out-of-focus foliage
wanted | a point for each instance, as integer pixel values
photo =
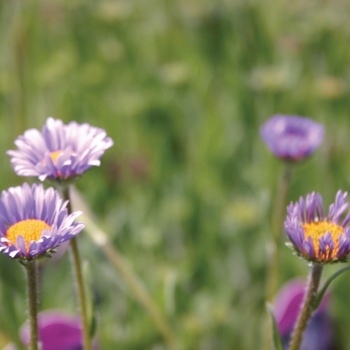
(186, 192)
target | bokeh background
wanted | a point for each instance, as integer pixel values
(186, 192)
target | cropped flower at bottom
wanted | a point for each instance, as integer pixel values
(57, 331)
(319, 334)
(317, 237)
(34, 221)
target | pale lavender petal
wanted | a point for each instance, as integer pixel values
(81, 147)
(23, 202)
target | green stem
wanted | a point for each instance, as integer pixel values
(31, 270)
(274, 244)
(307, 307)
(79, 279)
(278, 215)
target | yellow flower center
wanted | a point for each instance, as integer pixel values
(54, 156)
(30, 229)
(316, 230)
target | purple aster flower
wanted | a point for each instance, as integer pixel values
(292, 138)
(319, 333)
(59, 151)
(57, 331)
(33, 221)
(317, 237)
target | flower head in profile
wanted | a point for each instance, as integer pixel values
(33, 221)
(59, 152)
(319, 333)
(317, 237)
(292, 138)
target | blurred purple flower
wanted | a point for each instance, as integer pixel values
(33, 221)
(292, 138)
(60, 151)
(319, 334)
(57, 331)
(316, 237)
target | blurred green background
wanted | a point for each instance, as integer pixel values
(186, 192)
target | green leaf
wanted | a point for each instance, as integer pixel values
(322, 291)
(277, 341)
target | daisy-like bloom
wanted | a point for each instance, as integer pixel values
(59, 152)
(319, 333)
(292, 138)
(33, 221)
(317, 237)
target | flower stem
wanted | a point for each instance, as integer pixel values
(31, 270)
(274, 244)
(79, 279)
(278, 214)
(307, 306)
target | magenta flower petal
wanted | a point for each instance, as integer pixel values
(319, 333)
(317, 237)
(57, 331)
(33, 221)
(59, 151)
(292, 138)
(288, 302)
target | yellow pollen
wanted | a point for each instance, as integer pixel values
(54, 155)
(316, 230)
(30, 229)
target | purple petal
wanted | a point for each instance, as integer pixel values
(23, 202)
(81, 147)
(292, 137)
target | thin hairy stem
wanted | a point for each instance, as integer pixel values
(77, 267)
(31, 271)
(307, 306)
